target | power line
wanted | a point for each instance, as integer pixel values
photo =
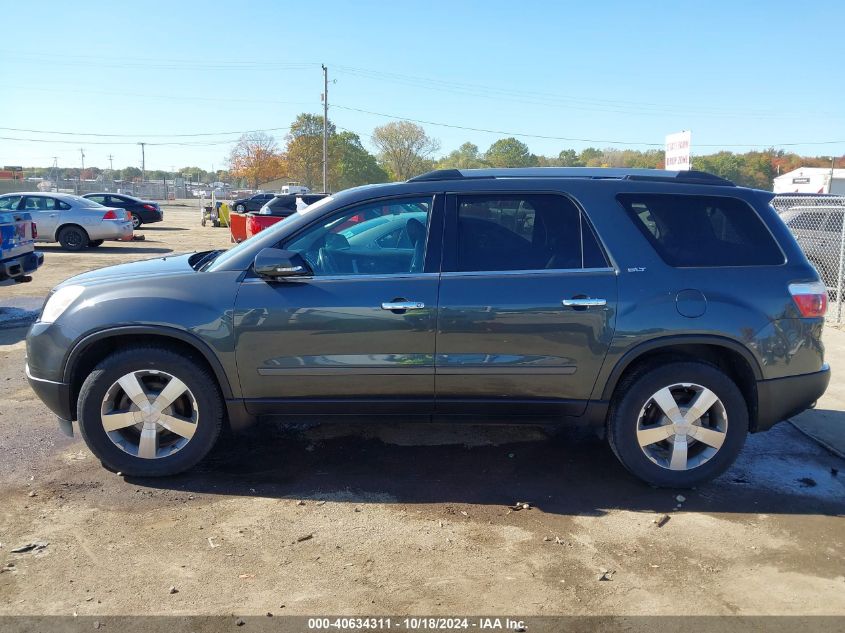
(572, 139)
(174, 143)
(98, 134)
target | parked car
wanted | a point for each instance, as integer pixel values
(818, 230)
(253, 203)
(18, 257)
(143, 211)
(672, 311)
(278, 209)
(74, 222)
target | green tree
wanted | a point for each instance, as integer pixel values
(404, 149)
(591, 157)
(510, 152)
(466, 156)
(569, 158)
(350, 164)
(305, 150)
(130, 173)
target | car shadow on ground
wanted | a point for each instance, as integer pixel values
(780, 472)
(144, 227)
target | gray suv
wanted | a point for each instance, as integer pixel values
(673, 311)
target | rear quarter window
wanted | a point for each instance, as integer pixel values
(702, 231)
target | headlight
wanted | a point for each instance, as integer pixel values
(58, 303)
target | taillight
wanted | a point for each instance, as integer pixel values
(148, 207)
(810, 298)
(34, 231)
(110, 215)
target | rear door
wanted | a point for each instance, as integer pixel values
(527, 306)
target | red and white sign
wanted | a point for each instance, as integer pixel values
(678, 151)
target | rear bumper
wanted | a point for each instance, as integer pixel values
(781, 398)
(21, 265)
(111, 230)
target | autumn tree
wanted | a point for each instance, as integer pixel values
(510, 152)
(404, 149)
(256, 158)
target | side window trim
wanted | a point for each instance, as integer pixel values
(450, 236)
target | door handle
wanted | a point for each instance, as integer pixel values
(584, 302)
(402, 305)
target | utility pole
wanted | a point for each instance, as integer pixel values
(325, 128)
(82, 154)
(111, 163)
(143, 164)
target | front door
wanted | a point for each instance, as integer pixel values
(357, 336)
(527, 307)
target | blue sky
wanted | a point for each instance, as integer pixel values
(617, 74)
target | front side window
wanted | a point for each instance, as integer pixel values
(702, 231)
(351, 242)
(500, 232)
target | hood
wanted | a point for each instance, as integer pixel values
(158, 267)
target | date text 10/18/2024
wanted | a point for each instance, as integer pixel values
(416, 623)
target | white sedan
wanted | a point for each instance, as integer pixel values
(75, 223)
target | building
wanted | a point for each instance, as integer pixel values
(811, 180)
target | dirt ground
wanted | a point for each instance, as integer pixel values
(399, 518)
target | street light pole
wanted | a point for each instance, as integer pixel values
(143, 164)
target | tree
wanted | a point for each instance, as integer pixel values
(404, 148)
(130, 173)
(569, 158)
(591, 157)
(466, 156)
(256, 158)
(305, 150)
(510, 152)
(350, 164)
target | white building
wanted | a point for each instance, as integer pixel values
(811, 180)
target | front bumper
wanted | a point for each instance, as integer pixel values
(56, 395)
(781, 398)
(20, 266)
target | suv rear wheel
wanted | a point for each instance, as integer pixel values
(677, 424)
(147, 411)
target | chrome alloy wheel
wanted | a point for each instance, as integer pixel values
(149, 414)
(682, 426)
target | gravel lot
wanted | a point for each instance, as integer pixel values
(398, 518)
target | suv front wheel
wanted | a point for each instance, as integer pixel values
(147, 411)
(677, 424)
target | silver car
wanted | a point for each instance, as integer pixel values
(75, 223)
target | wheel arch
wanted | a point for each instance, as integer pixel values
(91, 349)
(728, 355)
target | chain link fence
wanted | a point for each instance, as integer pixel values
(816, 222)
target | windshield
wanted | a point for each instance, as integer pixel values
(224, 256)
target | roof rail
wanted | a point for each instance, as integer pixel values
(660, 175)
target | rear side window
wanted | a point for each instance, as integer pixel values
(523, 232)
(701, 231)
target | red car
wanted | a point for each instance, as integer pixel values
(246, 225)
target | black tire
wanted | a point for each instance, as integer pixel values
(136, 221)
(95, 243)
(73, 238)
(201, 382)
(634, 392)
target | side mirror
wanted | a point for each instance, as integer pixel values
(274, 263)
